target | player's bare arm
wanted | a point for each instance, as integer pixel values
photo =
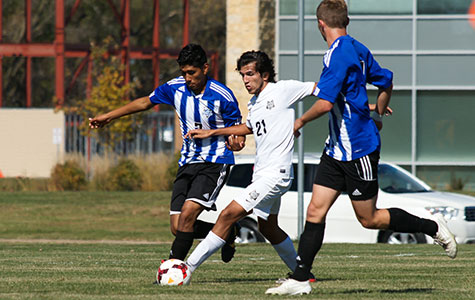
(382, 107)
(388, 112)
(240, 129)
(318, 109)
(382, 102)
(137, 105)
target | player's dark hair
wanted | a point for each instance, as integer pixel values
(263, 63)
(192, 55)
(334, 13)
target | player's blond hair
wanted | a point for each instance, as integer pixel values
(334, 13)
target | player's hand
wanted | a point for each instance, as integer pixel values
(297, 125)
(235, 143)
(198, 134)
(99, 121)
(388, 112)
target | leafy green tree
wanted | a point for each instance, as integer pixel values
(109, 92)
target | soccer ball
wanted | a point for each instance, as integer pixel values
(173, 272)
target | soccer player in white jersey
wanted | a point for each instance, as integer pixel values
(199, 102)
(350, 159)
(271, 118)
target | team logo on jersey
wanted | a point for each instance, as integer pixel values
(270, 104)
(253, 195)
(207, 112)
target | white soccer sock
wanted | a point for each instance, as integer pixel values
(205, 249)
(287, 252)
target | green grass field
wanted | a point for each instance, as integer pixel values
(126, 267)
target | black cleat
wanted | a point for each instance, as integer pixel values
(228, 250)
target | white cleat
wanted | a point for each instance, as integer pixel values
(291, 287)
(444, 237)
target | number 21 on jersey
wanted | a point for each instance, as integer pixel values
(261, 128)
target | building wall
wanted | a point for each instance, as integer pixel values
(32, 141)
(429, 45)
(242, 34)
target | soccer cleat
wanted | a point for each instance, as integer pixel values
(228, 250)
(291, 287)
(444, 237)
(281, 280)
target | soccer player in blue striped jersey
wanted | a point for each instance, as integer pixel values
(199, 102)
(350, 159)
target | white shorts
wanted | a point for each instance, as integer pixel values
(263, 195)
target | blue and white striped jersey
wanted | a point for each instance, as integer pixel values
(347, 66)
(215, 108)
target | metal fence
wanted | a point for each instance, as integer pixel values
(156, 134)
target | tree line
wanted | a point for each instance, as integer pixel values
(93, 23)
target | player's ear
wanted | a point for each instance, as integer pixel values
(321, 26)
(205, 68)
(265, 76)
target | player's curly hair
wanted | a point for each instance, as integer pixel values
(192, 55)
(263, 63)
(334, 13)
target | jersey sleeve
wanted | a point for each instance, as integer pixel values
(294, 90)
(378, 76)
(249, 115)
(162, 95)
(333, 76)
(230, 112)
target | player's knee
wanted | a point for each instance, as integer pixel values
(315, 213)
(187, 219)
(230, 215)
(368, 223)
(227, 214)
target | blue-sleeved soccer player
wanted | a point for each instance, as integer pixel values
(350, 159)
(199, 102)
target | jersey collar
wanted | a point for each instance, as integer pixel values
(208, 94)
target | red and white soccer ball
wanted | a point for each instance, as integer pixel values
(173, 272)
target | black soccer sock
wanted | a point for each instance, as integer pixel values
(181, 245)
(310, 243)
(402, 221)
(201, 229)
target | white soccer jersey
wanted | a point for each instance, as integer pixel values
(271, 118)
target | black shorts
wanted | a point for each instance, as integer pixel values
(358, 178)
(200, 182)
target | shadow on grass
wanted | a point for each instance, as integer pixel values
(406, 291)
(388, 291)
(252, 280)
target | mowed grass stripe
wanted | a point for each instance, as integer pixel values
(91, 245)
(133, 216)
(104, 271)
